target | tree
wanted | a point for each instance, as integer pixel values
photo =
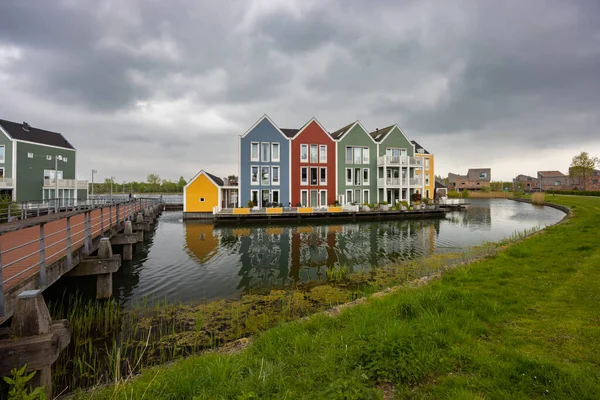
(232, 179)
(582, 166)
(153, 179)
(181, 184)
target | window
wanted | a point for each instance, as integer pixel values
(265, 152)
(313, 153)
(1, 173)
(357, 155)
(322, 153)
(201, 199)
(348, 155)
(49, 174)
(313, 176)
(595, 181)
(2, 153)
(276, 196)
(323, 198)
(264, 175)
(304, 176)
(323, 176)
(65, 159)
(348, 196)
(265, 198)
(426, 179)
(254, 152)
(348, 176)
(427, 193)
(365, 154)
(427, 163)
(254, 197)
(275, 175)
(29, 155)
(357, 176)
(48, 157)
(556, 183)
(275, 151)
(303, 198)
(366, 196)
(254, 175)
(365, 176)
(304, 152)
(483, 175)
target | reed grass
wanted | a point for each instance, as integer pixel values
(538, 198)
(480, 194)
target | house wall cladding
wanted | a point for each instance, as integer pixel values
(264, 132)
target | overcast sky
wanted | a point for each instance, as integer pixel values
(167, 86)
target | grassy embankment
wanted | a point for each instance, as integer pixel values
(521, 324)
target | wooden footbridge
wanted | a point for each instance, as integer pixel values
(36, 252)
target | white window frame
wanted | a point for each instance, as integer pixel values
(359, 154)
(351, 180)
(257, 182)
(29, 155)
(302, 158)
(351, 160)
(368, 193)
(257, 158)
(307, 198)
(48, 157)
(426, 179)
(304, 183)
(65, 159)
(321, 181)
(310, 176)
(426, 162)
(359, 177)
(319, 198)
(257, 196)
(273, 145)
(273, 182)
(323, 153)
(368, 180)
(2, 174)
(262, 155)
(314, 147)
(278, 196)
(366, 151)
(268, 180)
(349, 197)
(3, 159)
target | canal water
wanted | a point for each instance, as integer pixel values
(193, 261)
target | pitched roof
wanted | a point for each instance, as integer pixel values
(379, 134)
(551, 173)
(418, 146)
(289, 132)
(341, 132)
(440, 185)
(35, 135)
(215, 178)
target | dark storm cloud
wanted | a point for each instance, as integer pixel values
(155, 79)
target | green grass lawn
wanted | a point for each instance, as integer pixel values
(522, 324)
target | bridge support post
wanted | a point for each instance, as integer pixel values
(128, 248)
(139, 226)
(103, 266)
(104, 281)
(39, 340)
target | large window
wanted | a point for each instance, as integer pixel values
(304, 152)
(365, 176)
(348, 176)
(323, 198)
(254, 152)
(275, 152)
(314, 156)
(322, 153)
(276, 196)
(348, 196)
(2, 153)
(366, 196)
(323, 176)
(357, 176)
(427, 163)
(275, 175)
(314, 180)
(348, 155)
(264, 175)
(357, 155)
(50, 174)
(254, 197)
(304, 176)
(365, 154)
(426, 179)
(265, 152)
(1, 172)
(304, 198)
(254, 175)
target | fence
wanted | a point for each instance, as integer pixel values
(27, 252)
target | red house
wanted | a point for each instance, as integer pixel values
(313, 166)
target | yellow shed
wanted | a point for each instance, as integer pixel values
(202, 193)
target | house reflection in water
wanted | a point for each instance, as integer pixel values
(275, 256)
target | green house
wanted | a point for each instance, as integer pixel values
(38, 165)
(356, 164)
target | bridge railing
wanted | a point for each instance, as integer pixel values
(26, 251)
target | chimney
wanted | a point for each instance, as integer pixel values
(25, 126)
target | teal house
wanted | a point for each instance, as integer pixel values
(38, 165)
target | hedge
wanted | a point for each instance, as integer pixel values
(576, 192)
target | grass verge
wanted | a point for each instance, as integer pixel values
(523, 323)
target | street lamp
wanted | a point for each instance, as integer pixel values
(56, 182)
(93, 172)
(112, 178)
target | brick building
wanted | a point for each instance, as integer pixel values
(475, 179)
(525, 183)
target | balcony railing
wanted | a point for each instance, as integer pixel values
(65, 183)
(399, 161)
(6, 182)
(391, 182)
(416, 181)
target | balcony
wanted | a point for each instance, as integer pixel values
(6, 182)
(390, 182)
(65, 184)
(417, 181)
(399, 161)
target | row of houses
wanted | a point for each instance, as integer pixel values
(313, 167)
(36, 164)
(556, 180)
(475, 179)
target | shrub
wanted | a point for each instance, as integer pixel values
(453, 194)
(576, 192)
(416, 197)
(538, 198)
(465, 194)
(384, 203)
(250, 204)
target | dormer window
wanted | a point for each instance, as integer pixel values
(420, 151)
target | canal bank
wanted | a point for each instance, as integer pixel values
(525, 285)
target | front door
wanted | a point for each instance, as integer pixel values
(314, 198)
(265, 198)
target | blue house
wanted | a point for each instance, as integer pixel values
(264, 154)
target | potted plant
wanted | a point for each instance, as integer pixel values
(404, 205)
(250, 204)
(384, 206)
(366, 206)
